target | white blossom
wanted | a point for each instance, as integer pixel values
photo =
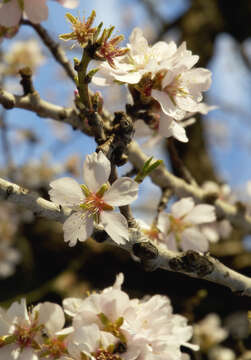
(208, 332)
(181, 91)
(92, 343)
(21, 54)
(93, 202)
(181, 228)
(146, 328)
(163, 72)
(21, 329)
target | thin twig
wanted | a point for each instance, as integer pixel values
(55, 49)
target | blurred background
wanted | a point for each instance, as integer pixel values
(34, 151)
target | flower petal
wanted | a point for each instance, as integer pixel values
(96, 171)
(201, 213)
(36, 10)
(10, 13)
(122, 192)
(115, 225)
(78, 226)
(50, 315)
(163, 222)
(193, 239)
(171, 242)
(178, 132)
(66, 192)
(182, 207)
(167, 105)
(169, 127)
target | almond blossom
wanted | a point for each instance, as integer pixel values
(91, 343)
(163, 72)
(181, 228)
(208, 332)
(36, 11)
(141, 59)
(134, 328)
(21, 54)
(92, 203)
(21, 330)
(181, 91)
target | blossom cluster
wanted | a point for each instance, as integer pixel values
(164, 73)
(180, 229)
(106, 325)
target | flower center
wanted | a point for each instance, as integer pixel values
(54, 347)
(113, 327)
(152, 233)
(94, 202)
(177, 225)
(24, 335)
(102, 354)
(175, 88)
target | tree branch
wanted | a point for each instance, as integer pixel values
(55, 49)
(163, 178)
(189, 263)
(41, 207)
(33, 102)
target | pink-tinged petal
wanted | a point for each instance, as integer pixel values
(18, 310)
(186, 103)
(199, 79)
(165, 124)
(51, 316)
(169, 127)
(130, 78)
(103, 81)
(10, 13)
(168, 79)
(139, 44)
(163, 222)
(182, 207)
(115, 225)
(66, 192)
(36, 10)
(193, 239)
(27, 354)
(96, 171)
(122, 192)
(167, 105)
(203, 108)
(210, 231)
(10, 352)
(178, 132)
(78, 227)
(72, 306)
(201, 214)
